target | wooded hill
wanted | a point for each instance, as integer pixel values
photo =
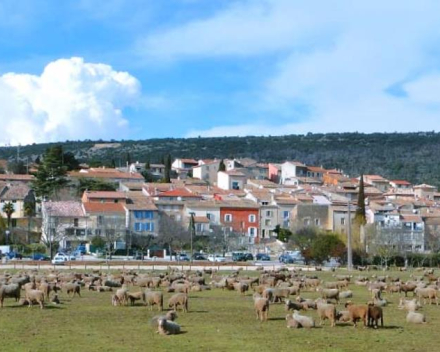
(410, 156)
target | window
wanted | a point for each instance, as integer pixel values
(267, 222)
(269, 213)
(342, 221)
(14, 222)
(235, 185)
(317, 222)
(199, 227)
(100, 220)
(138, 226)
(306, 222)
(252, 218)
(252, 231)
(116, 200)
(75, 222)
(228, 217)
(264, 203)
(285, 214)
(263, 232)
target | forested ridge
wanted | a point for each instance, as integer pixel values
(410, 156)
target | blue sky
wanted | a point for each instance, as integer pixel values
(177, 68)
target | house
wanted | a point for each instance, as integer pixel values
(400, 184)
(312, 214)
(64, 222)
(179, 194)
(290, 170)
(377, 181)
(13, 179)
(142, 217)
(231, 180)
(204, 209)
(106, 219)
(104, 197)
(106, 174)
(274, 172)
(268, 211)
(425, 191)
(316, 172)
(157, 170)
(183, 166)
(207, 171)
(241, 217)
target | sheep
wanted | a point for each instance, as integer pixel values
(152, 298)
(346, 294)
(136, 296)
(122, 295)
(166, 327)
(268, 294)
(304, 320)
(415, 318)
(326, 311)
(72, 288)
(241, 287)
(410, 306)
(279, 294)
(380, 302)
(55, 299)
(170, 316)
(374, 314)
(178, 299)
(291, 305)
(330, 294)
(427, 293)
(9, 291)
(261, 306)
(35, 296)
(408, 287)
(115, 301)
(292, 323)
(376, 293)
(357, 312)
(343, 316)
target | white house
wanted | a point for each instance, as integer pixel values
(207, 171)
(228, 180)
(290, 170)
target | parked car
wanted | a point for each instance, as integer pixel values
(216, 258)
(199, 256)
(286, 259)
(59, 259)
(39, 256)
(263, 257)
(242, 257)
(183, 257)
(331, 263)
(14, 255)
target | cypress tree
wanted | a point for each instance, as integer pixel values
(360, 210)
(222, 166)
(167, 176)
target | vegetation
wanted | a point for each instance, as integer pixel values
(88, 184)
(360, 218)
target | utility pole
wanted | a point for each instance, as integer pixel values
(349, 249)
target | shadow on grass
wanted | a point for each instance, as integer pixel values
(35, 306)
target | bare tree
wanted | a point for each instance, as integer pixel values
(172, 234)
(112, 231)
(141, 241)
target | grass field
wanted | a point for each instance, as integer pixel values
(217, 321)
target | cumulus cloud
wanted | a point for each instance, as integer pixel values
(336, 62)
(71, 99)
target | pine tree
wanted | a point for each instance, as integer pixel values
(222, 166)
(360, 217)
(147, 165)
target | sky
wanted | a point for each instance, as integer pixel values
(138, 69)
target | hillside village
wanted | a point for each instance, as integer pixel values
(247, 199)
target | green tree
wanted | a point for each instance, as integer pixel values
(50, 177)
(90, 184)
(167, 176)
(326, 246)
(29, 212)
(360, 217)
(17, 167)
(222, 166)
(8, 209)
(70, 162)
(147, 165)
(283, 235)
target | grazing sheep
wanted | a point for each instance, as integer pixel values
(357, 312)
(261, 306)
(122, 295)
(292, 323)
(9, 291)
(304, 320)
(345, 294)
(278, 294)
(330, 294)
(241, 287)
(116, 301)
(166, 327)
(374, 314)
(35, 296)
(268, 294)
(152, 298)
(72, 288)
(415, 318)
(408, 287)
(326, 311)
(307, 303)
(426, 293)
(291, 305)
(136, 296)
(178, 299)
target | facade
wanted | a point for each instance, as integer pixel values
(231, 180)
(241, 217)
(207, 172)
(290, 170)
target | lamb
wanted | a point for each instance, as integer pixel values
(55, 299)
(343, 316)
(261, 306)
(304, 320)
(292, 323)
(166, 327)
(122, 295)
(179, 299)
(374, 314)
(415, 318)
(307, 303)
(241, 287)
(357, 312)
(35, 296)
(152, 298)
(326, 311)
(136, 296)
(9, 291)
(291, 305)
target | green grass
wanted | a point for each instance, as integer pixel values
(218, 321)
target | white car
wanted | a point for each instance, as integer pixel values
(216, 258)
(59, 259)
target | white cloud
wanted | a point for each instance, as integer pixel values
(71, 99)
(336, 61)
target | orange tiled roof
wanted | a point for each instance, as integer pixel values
(104, 207)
